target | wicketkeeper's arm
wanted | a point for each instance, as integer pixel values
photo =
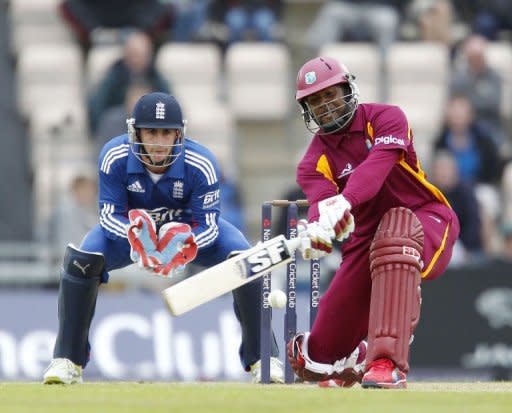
(113, 205)
(205, 206)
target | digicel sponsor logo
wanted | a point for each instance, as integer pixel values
(386, 140)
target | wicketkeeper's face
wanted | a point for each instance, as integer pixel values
(158, 143)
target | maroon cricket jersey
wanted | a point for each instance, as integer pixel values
(372, 163)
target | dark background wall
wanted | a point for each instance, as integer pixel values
(466, 321)
(15, 174)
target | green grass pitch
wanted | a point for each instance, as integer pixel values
(116, 397)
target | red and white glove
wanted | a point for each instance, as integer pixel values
(143, 240)
(316, 241)
(336, 217)
(176, 247)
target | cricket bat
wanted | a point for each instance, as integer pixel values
(229, 275)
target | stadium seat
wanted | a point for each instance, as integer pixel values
(57, 122)
(49, 74)
(418, 75)
(362, 60)
(51, 181)
(258, 81)
(499, 55)
(192, 70)
(214, 127)
(36, 22)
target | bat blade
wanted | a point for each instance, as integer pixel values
(229, 275)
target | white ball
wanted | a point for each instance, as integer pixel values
(277, 299)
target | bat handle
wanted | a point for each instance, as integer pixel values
(293, 244)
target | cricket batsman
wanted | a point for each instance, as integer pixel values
(366, 189)
(159, 201)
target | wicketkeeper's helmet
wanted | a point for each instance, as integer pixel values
(318, 74)
(156, 111)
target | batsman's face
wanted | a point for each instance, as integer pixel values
(327, 105)
(158, 143)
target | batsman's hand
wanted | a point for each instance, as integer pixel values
(316, 241)
(141, 232)
(176, 248)
(336, 217)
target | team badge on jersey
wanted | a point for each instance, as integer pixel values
(310, 78)
(346, 171)
(177, 189)
(160, 110)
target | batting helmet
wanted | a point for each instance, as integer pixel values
(318, 74)
(156, 111)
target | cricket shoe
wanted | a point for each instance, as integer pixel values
(276, 371)
(348, 370)
(62, 371)
(352, 372)
(383, 374)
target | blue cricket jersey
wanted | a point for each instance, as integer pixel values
(187, 192)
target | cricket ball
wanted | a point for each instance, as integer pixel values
(277, 299)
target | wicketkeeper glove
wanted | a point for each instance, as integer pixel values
(176, 247)
(336, 217)
(143, 240)
(164, 254)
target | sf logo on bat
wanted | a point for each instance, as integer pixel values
(264, 259)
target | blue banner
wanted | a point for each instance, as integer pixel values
(133, 337)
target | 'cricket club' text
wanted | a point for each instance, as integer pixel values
(315, 283)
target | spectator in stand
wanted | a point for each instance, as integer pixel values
(481, 83)
(506, 232)
(136, 66)
(433, 20)
(247, 19)
(470, 143)
(84, 16)
(493, 17)
(462, 198)
(191, 16)
(478, 160)
(113, 121)
(355, 20)
(76, 213)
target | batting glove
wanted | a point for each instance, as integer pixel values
(316, 241)
(335, 215)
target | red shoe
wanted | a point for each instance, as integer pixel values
(382, 374)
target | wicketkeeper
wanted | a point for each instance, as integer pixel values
(159, 203)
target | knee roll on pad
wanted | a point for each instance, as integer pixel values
(83, 264)
(395, 264)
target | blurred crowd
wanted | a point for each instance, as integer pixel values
(471, 153)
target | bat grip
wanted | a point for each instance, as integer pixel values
(293, 244)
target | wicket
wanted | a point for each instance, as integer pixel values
(290, 318)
